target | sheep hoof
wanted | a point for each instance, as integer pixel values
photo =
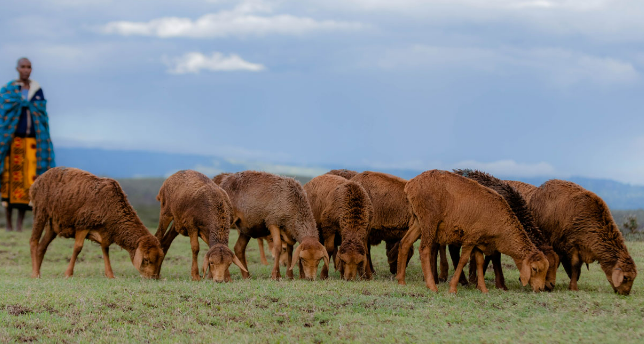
(452, 290)
(402, 282)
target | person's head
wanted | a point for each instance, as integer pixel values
(24, 68)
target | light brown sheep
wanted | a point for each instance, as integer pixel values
(520, 208)
(197, 207)
(581, 229)
(342, 208)
(344, 173)
(392, 214)
(526, 190)
(450, 209)
(263, 204)
(72, 203)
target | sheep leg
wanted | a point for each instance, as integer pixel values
(480, 260)
(164, 222)
(262, 254)
(406, 243)
(465, 256)
(565, 261)
(277, 249)
(455, 254)
(444, 264)
(194, 245)
(368, 260)
(575, 269)
(473, 269)
(425, 253)
(367, 273)
(106, 258)
(42, 247)
(40, 222)
(289, 260)
(168, 239)
(499, 280)
(78, 246)
(204, 236)
(329, 244)
(240, 252)
(432, 259)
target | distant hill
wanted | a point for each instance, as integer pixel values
(125, 165)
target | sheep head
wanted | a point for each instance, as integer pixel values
(533, 270)
(310, 252)
(622, 275)
(353, 256)
(217, 261)
(553, 264)
(148, 257)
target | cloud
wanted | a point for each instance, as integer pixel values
(238, 22)
(509, 168)
(195, 62)
(560, 67)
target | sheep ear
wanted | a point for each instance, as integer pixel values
(206, 266)
(525, 272)
(618, 277)
(296, 256)
(138, 259)
(326, 258)
(238, 262)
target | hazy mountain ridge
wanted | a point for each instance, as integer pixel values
(155, 166)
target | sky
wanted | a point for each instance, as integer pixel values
(516, 87)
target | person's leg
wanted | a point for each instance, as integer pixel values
(8, 212)
(21, 217)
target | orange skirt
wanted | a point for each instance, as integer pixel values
(19, 173)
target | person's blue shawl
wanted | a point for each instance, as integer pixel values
(10, 110)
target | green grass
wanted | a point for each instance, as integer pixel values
(91, 308)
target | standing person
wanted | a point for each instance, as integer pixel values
(25, 147)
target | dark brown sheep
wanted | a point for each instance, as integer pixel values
(76, 204)
(581, 229)
(392, 214)
(526, 190)
(450, 209)
(344, 173)
(342, 208)
(520, 208)
(263, 204)
(197, 207)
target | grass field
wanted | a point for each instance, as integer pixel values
(91, 308)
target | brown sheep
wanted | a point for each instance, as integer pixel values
(344, 173)
(263, 204)
(76, 204)
(342, 208)
(526, 190)
(392, 214)
(260, 241)
(197, 207)
(520, 208)
(450, 209)
(581, 229)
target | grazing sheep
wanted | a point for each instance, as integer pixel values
(76, 204)
(450, 209)
(260, 241)
(392, 214)
(526, 190)
(581, 229)
(344, 173)
(342, 208)
(197, 207)
(520, 208)
(263, 204)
